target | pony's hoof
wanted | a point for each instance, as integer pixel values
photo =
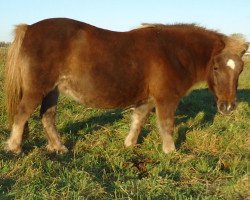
(129, 142)
(11, 148)
(63, 150)
(58, 149)
(169, 149)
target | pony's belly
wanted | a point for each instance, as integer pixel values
(70, 92)
(90, 96)
(78, 94)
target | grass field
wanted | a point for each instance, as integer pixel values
(211, 162)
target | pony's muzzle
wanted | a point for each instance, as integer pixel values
(226, 107)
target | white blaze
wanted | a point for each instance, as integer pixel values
(231, 63)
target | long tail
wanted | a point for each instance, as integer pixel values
(13, 75)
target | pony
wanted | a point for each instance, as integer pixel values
(145, 68)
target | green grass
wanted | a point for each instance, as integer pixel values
(211, 161)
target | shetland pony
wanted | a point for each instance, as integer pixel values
(148, 67)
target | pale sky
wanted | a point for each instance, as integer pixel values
(226, 16)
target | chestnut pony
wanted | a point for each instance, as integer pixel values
(149, 67)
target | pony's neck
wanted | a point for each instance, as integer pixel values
(203, 73)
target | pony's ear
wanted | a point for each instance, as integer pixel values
(218, 47)
(246, 45)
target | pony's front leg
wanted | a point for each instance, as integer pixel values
(138, 118)
(165, 118)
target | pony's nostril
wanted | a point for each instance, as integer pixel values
(232, 106)
(223, 107)
(226, 107)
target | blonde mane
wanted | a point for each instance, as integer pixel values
(236, 43)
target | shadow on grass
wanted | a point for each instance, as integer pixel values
(201, 100)
(6, 185)
(243, 95)
(92, 124)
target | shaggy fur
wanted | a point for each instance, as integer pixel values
(145, 68)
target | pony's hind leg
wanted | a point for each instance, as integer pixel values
(138, 118)
(28, 104)
(48, 114)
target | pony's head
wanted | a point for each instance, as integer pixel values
(224, 73)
